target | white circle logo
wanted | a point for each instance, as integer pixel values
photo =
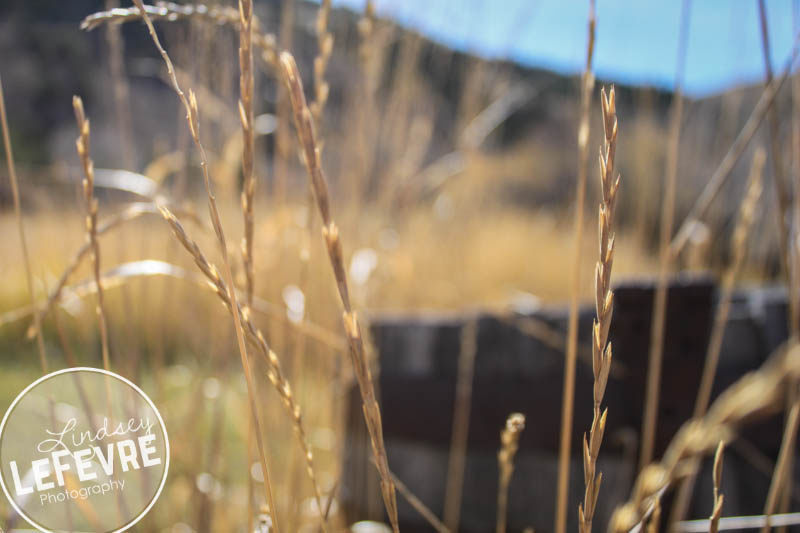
(83, 449)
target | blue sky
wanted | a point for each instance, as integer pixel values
(636, 39)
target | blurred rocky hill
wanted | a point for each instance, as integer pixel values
(527, 115)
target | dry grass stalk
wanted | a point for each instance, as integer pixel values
(419, 506)
(658, 322)
(509, 443)
(12, 174)
(568, 397)
(604, 305)
(321, 89)
(120, 84)
(172, 12)
(794, 249)
(741, 232)
(757, 459)
(723, 171)
(305, 130)
(284, 155)
(756, 394)
(366, 28)
(471, 100)
(458, 441)
(82, 145)
(794, 245)
(402, 125)
(254, 335)
(654, 522)
(193, 120)
(738, 245)
(781, 473)
(782, 192)
(553, 338)
(317, 107)
(246, 116)
(365, 107)
(324, 51)
(66, 349)
(718, 497)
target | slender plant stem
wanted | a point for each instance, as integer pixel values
(794, 251)
(739, 247)
(723, 171)
(509, 444)
(419, 506)
(454, 484)
(718, 497)
(794, 247)
(366, 108)
(283, 141)
(654, 523)
(91, 221)
(275, 372)
(304, 124)
(12, 175)
(780, 476)
(193, 120)
(246, 117)
(659, 316)
(568, 395)
(781, 188)
(122, 108)
(324, 51)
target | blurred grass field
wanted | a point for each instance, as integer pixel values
(451, 193)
